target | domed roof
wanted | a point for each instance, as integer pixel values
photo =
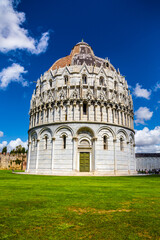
(81, 53)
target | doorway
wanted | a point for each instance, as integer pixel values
(84, 162)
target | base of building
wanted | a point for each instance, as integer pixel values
(76, 173)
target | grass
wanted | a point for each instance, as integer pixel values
(50, 207)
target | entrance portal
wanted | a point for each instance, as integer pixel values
(84, 162)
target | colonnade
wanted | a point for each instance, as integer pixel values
(73, 111)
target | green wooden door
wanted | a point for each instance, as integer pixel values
(84, 162)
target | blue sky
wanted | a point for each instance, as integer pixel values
(34, 34)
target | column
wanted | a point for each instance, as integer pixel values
(123, 119)
(67, 106)
(29, 155)
(60, 108)
(36, 116)
(112, 115)
(128, 155)
(94, 139)
(74, 109)
(40, 114)
(49, 113)
(53, 141)
(37, 154)
(74, 163)
(115, 160)
(81, 110)
(89, 104)
(44, 113)
(55, 112)
(102, 106)
(95, 112)
(107, 113)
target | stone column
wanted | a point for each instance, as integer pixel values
(49, 114)
(89, 104)
(112, 115)
(95, 111)
(61, 107)
(81, 110)
(74, 109)
(107, 107)
(52, 161)
(74, 163)
(128, 155)
(37, 154)
(55, 112)
(29, 155)
(102, 107)
(118, 116)
(94, 139)
(115, 160)
(44, 113)
(67, 106)
(31, 119)
(40, 114)
(36, 116)
(123, 117)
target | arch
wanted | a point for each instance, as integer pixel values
(124, 132)
(64, 127)
(84, 78)
(33, 133)
(101, 81)
(85, 129)
(43, 130)
(63, 134)
(131, 136)
(84, 138)
(66, 79)
(109, 129)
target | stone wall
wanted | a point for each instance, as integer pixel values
(13, 161)
(147, 161)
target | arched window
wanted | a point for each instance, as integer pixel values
(121, 144)
(64, 142)
(33, 144)
(65, 79)
(105, 143)
(84, 108)
(45, 142)
(50, 82)
(115, 85)
(84, 79)
(131, 147)
(101, 81)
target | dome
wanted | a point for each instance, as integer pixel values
(81, 53)
(81, 118)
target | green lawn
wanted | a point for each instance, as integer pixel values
(50, 207)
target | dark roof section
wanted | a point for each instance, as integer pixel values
(139, 155)
(82, 53)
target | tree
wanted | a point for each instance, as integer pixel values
(4, 150)
(19, 149)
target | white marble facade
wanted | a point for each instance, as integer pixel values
(81, 105)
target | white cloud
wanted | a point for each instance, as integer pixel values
(141, 92)
(143, 114)
(13, 36)
(12, 144)
(148, 140)
(12, 74)
(157, 86)
(1, 134)
(2, 145)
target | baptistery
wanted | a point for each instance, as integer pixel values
(81, 118)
